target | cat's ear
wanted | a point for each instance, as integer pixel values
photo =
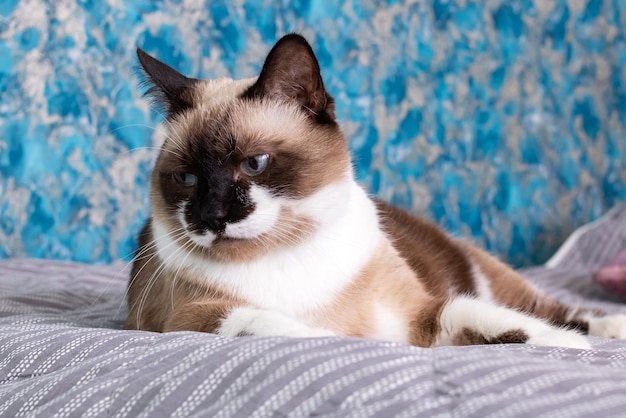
(169, 89)
(291, 71)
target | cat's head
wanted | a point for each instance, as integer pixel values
(247, 165)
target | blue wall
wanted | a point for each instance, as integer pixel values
(504, 121)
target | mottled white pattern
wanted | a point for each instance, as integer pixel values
(503, 121)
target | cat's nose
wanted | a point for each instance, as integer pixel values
(214, 219)
(216, 206)
(215, 225)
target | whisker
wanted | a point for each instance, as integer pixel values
(188, 245)
(177, 236)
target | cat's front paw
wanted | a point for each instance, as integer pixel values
(261, 322)
(554, 337)
(610, 326)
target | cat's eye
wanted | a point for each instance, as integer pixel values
(185, 179)
(253, 166)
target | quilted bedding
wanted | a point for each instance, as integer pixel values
(62, 353)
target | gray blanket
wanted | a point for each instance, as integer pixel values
(62, 353)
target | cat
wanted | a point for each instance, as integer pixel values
(258, 227)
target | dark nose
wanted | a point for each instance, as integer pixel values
(216, 206)
(214, 216)
(214, 224)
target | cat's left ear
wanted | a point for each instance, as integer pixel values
(291, 71)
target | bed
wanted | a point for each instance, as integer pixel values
(63, 353)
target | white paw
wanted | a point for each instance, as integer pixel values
(554, 337)
(260, 322)
(610, 326)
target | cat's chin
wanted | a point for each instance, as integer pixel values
(205, 240)
(210, 239)
(226, 238)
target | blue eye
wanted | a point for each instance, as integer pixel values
(254, 166)
(185, 179)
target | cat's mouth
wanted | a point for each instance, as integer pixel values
(207, 238)
(221, 236)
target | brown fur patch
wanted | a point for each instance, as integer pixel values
(203, 316)
(469, 336)
(425, 326)
(439, 262)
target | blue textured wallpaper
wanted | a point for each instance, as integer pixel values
(504, 121)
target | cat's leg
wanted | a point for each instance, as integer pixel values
(510, 289)
(589, 321)
(468, 321)
(231, 320)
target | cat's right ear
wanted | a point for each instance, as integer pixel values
(168, 89)
(291, 72)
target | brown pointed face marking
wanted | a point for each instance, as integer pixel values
(208, 177)
(198, 176)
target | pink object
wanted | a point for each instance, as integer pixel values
(612, 276)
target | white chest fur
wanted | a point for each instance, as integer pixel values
(297, 279)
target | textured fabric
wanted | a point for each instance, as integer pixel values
(502, 120)
(590, 246)
(62, 354)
